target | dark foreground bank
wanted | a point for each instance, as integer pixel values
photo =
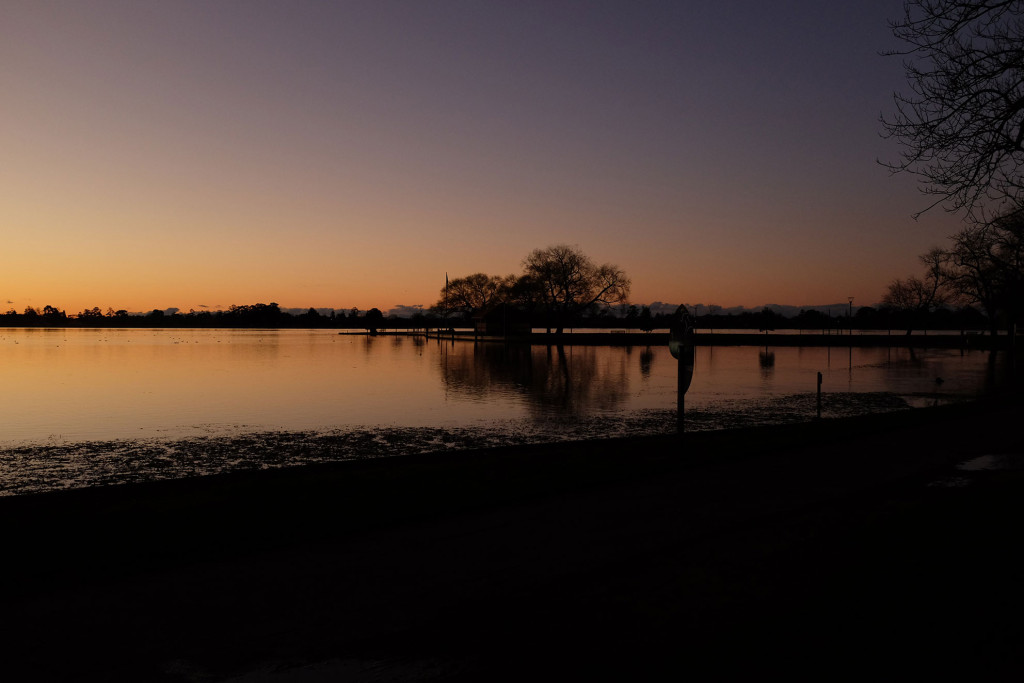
(840, 549)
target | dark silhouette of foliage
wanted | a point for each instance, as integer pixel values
(567, 282)
(983, 267)
(473, 295)
(373, 320)
(962, 125)
(53, 313)
(644, 320)
(914, 297)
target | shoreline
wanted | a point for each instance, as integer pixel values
(723, 549)
(940, 339)
(37, 467)
(810, 339)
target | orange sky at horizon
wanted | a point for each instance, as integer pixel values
(192, 155)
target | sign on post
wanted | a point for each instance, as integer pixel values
(681, 345)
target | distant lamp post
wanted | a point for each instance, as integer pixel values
(850, 315)
(681, 345)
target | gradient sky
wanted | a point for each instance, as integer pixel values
(339, 154)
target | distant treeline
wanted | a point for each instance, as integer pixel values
(863, 318)
(253, 315)
(625, 317)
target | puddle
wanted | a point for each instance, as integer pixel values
(1003, 462)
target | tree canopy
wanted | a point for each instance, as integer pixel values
(962, 124)
(474, 293)
(917, 296)
(558, 284)
(568, 282)
(984, 266)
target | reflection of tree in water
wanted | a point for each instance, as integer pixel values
(560, 380)
(1003, 371)
(766, 359)
(646, 361)
(368, 344)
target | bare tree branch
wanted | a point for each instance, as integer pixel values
(962, 125)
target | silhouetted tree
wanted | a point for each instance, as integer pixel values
(768, 319)
(474, 294)
(524, 293)
(644, 320)
(962, 126)
(985, 266)
(866, 318)
(53, 313)
(914, 297)
(373, 320)
(811, 320)
(568, 282)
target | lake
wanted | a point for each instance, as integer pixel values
(83, 407)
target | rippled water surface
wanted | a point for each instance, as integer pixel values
(83, 407)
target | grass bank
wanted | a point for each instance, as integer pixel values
(826, 549)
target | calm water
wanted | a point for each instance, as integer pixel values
(81, 407)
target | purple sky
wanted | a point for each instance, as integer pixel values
(350, 153)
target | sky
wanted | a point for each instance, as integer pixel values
(336, 154)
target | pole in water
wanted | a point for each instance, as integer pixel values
(682, 383)
(819, 395)
(681, 345)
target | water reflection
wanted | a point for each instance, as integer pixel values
(551, 380)
(79, 384)
(766, 361)
(646, 361)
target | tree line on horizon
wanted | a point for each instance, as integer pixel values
(249, 315)
(628, 316)
(983, 266)
(559, 287)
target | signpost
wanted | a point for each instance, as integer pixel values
(681, 345)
